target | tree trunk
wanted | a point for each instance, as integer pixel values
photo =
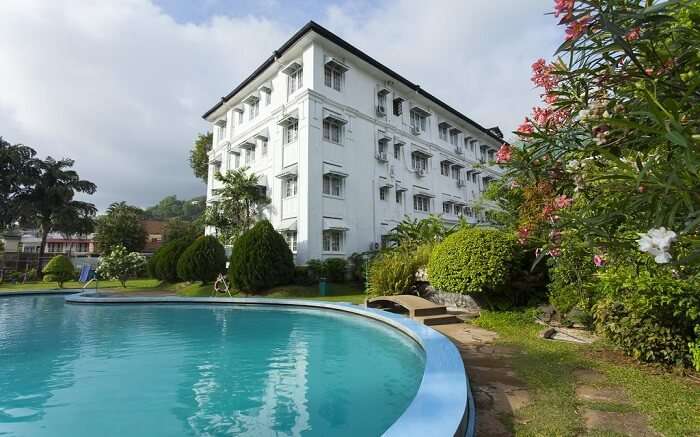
(42, 248)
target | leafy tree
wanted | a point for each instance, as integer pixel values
(202, 261)
(199, 155)
(18, 172)
(48, 203)
(261, 259)
(121, 264)
(59, 270)
(166, 258)
(120, 226)
(171, 207)
(237, 204)
(414, 232)
(177, 229)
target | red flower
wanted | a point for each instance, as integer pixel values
(577, 28)
(504, 154)
(525, 128)
(562, 201)
(633, 35)
(563, 7)
(598, 260)
(542, 75)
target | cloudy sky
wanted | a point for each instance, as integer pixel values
(120, 85)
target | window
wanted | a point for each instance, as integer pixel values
(263, 148)
(398, 106)
(249, 157)
(421, 203)
(383, 193)
(471, 145)
(290, 187)
(295, 81)
(240, 118)
(474, 177)
(291, 239)
(236, 160)
(458, 209)
(397, 151)
(455, 173)
(290, 132)
(332, 241)
(442, 131)
(447, 207)
(253, 109)
(381, 99)
(333, 77)
(382, 148)
(492, 155)
(268, 97)
(418, 121)
(332, 131)
(445, 168)
(419, 161)
(454, 135)
(221, 132)
(399, 197)
(333, 185)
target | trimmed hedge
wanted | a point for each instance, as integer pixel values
(472, 260)
(260, 259)
(166, 259)
(202, 261)
(59, 270)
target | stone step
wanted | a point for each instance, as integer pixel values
(430, 311)
(438, 319)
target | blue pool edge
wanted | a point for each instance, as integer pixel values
(443, 404)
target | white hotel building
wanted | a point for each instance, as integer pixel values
(346, 148)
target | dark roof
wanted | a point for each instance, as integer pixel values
(315, 27)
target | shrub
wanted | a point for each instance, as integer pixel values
(472, 260)
(335, 269)
(59, 270)
(302, 276)
(571, 275)
(121, 264)
(261, 259)
(316, 269)
(394, 271)
(203, 260)
(650, 314)
(165, 262)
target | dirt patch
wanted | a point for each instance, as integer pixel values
(631, 424)
(613, 395)
(589, 376)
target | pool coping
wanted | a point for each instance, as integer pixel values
(443, 404)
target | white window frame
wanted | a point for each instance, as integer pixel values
(447, 208)
(291, 238)
(290, 187)
(383, 193)
(454, 138)
(418, 121)
(421, 203)
(250, 157)
(442, 132)
(445, 168)
(419, 161)
(291, 132)
(333, 241)
(334, 77)
(397, 151)
(399, 197)
(333, 185)
(332, 131)
(295, 81)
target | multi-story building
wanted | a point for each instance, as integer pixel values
(346, 148)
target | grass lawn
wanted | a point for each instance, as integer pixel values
(671, 403)
(131, 285)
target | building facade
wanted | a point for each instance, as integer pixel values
(346, 148)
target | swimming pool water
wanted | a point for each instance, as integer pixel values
(205, 370)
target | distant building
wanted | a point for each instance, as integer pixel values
(155, 232)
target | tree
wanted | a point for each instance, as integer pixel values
(120, 226)
(166, 258)
(177, 229)
(121, 264)
(18, 172)
(171, 207)
(202, 261)
(261, 259)
(236, 205)
(48, 203)
(199, 156)
(59, 270)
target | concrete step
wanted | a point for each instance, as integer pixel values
(438, 319)
(430, 311)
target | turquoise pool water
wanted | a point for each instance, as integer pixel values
(169, 370)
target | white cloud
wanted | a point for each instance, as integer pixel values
(120, 86)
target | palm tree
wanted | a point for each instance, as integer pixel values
(49, 204)
(236, 205)
(18, 172)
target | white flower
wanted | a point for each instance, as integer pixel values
(657, 242)
(573, 166)
(583, 114)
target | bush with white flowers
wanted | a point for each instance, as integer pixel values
(121, 265)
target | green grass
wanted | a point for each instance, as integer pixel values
(671, 403)
(131, 285)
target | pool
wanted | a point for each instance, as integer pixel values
(201, 369)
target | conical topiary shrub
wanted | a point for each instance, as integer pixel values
(260, 259)
(202, 261)
(166, 259)
(59, 270)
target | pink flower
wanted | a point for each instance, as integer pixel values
(555, 252)
(542, 75)
(523, 234)
(598, 260)
(525, 128)
(562, 201)
(504, 154)
(577, 28)
(550, 99)
(633, 35)
(514, 184)
(555, 236)
(563, 7)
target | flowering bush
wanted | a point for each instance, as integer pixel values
(121, 265)
(610, 159)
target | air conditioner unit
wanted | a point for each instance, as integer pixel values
(381, 111)
(381, 156)
(421, 172)
(415, 130)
